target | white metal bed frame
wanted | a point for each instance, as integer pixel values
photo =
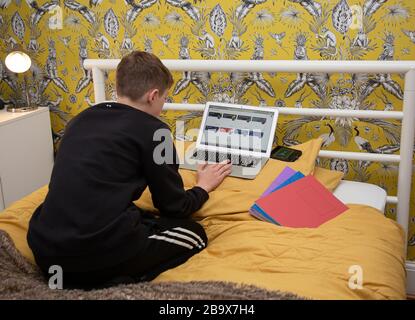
(407, 115)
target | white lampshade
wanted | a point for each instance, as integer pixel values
(18, 62)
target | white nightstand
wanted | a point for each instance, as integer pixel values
(26, 153)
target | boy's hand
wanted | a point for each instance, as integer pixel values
(209, 176)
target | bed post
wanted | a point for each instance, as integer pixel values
(406, 152)
(99, 84)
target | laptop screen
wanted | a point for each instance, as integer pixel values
(236, 128)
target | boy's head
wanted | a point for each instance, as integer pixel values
(143, 79)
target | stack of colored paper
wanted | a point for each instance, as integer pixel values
(298, 201)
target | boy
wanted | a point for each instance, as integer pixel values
(88, 224)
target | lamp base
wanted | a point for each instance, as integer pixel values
(21, 109)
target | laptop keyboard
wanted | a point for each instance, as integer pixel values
(239, 160)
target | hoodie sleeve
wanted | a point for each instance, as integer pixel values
(164, 181)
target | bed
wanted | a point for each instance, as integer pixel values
(358, 255)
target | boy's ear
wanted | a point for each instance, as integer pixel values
(152, 95)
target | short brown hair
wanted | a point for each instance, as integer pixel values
(139, 72)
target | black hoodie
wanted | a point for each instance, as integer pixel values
(105, 161)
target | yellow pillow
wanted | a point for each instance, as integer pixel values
(15, 220)
(329, 178)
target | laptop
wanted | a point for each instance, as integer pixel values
(242, 134)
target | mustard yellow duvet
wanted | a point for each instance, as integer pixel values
(357, 255)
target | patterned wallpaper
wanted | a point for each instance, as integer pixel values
(60, 35)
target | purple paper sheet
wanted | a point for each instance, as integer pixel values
(283, 176)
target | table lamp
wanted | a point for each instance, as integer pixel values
(20, 62)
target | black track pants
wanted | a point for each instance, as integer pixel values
(171, 243)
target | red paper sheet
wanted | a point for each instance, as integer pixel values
(305, 203)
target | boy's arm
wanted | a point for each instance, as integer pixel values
(165, 182)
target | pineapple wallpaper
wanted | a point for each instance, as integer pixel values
(60, 34)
